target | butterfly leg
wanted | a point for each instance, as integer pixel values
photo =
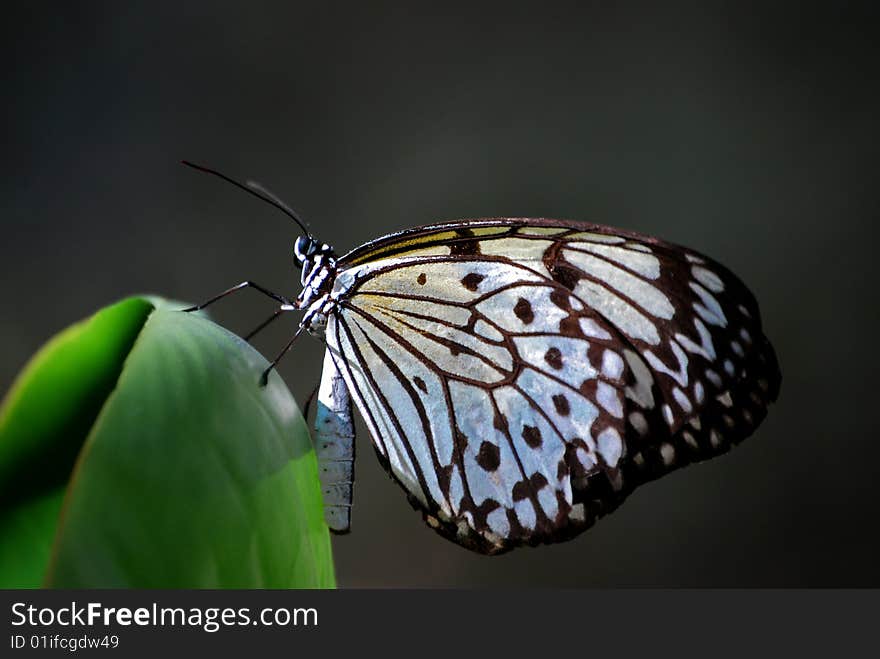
(259, 328)
(264, 379)
(245, 284)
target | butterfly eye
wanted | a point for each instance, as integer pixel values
(303, 248)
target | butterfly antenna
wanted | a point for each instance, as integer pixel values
(268, 194)
(257, 191)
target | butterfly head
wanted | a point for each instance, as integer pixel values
(310, 254)
(315, 258)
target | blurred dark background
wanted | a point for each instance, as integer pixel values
(746, 132)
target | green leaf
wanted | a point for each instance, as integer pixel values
(44, 420)
(192, 475)
(26, 533)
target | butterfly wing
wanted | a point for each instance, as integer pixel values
(520, 377)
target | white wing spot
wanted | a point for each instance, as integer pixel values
(639, 247)
(713, 377)
(497, 521)
(682, 400)
(547, 501)
(708, 279)
(609, 446)
(667, 452)
(612, 365)
(608, 397)
(525, 513)
(456, 488)
(637, 420)
(667, 414)
(590, 328)
(587, 461)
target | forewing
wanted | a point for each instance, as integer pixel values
(520, 377)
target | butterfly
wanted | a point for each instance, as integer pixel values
(520, 377)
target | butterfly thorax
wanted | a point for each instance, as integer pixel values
(318, 263)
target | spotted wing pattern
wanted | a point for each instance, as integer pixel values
(521, 377)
